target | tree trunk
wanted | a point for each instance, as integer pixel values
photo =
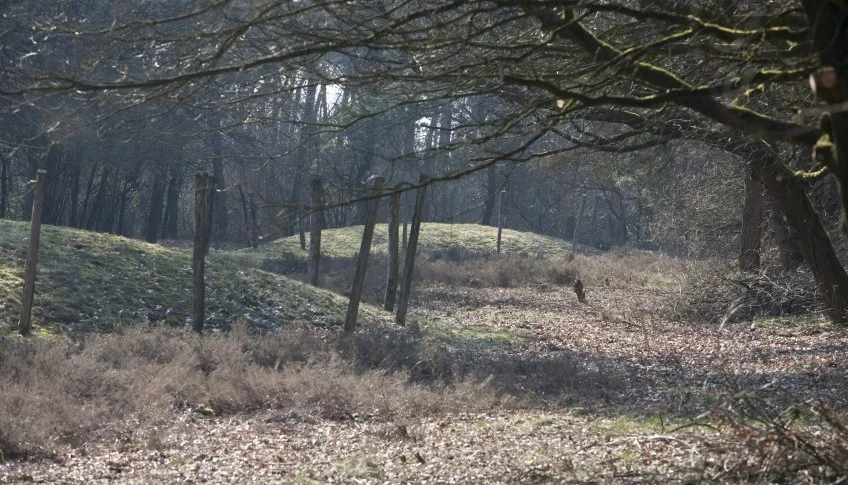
(828, 20)
(790, 256)
(254, 229)
(74, 217)
(4, 177)
(807, 231)
(125, 194)
(154, 214)
(394, 252)
(500, 223)
(409, 264)
(97, 205)
(220, 200)
(316, 223)
(752, 223)
(52, 196)
(172, 205)
(362, 260)
(245, 213)
(491, 187)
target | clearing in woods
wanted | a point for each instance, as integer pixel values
(503, 376)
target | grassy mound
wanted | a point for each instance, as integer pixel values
(451, 241)
(90, 281)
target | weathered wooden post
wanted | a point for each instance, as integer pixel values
(406, 283)
(500, 219)
(316, 223)
(32, 252)
(202, 218)
(362, 260)
(394, 252)
(405, 236)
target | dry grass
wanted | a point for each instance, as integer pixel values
(57, 392)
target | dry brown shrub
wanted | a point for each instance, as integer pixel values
(802, 443)
(55, 391)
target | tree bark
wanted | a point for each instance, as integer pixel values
(74, 217)
(492, 191)
(154, 213)
(316, 223)
(807, 231)
(254, 229)
(829, 26)
(96, 211)
(172, 205)
(362, 260)
(4, 177)
(246, 213)
(409, 265)
(32, 252)
(394, 253)
(752, 223)
(221, 200)
(500, 222)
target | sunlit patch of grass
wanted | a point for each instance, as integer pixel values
(435, 239)
(793, 325)
(90, 281)
(476, 337)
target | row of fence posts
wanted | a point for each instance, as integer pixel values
(204, 202)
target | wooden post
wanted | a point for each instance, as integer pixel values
(500, 219)
(202, 218)
(577, 223)
(316, 223)
(255, 225)
(405, 238)
(394, 252)
(362, 260)
(409, 264)
(32, 252)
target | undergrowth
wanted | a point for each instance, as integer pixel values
(56, 391)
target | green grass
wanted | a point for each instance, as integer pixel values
(435, 238)
(94, 282)
(475, 337)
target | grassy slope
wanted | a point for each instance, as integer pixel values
(92, 281)
(434, 238)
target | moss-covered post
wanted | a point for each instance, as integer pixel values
(409, 264)
(202, 218)
(32, 252)
(364, 252)
(316, 223)
(394, 252)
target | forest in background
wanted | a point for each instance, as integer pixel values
(123, 102)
